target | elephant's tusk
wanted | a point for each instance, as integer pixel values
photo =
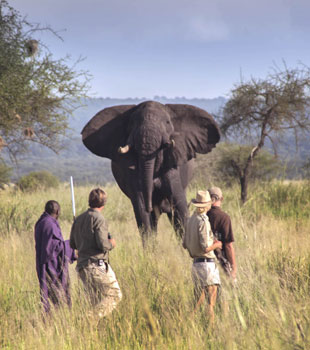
(172, 143)
(124, 149)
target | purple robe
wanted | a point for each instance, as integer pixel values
(52, 256)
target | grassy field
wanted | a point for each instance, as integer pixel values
(269, 308)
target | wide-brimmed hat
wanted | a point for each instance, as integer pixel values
(202, 199)
(216, 191)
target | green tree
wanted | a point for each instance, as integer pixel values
(265, 109)
(225, 163)
(233, 159)
(306, 169)
(37, 92)
(5, 173)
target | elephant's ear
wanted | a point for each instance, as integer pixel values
(106, 131)
(195, 132)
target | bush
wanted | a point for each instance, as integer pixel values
(38, 180)
(5, 173)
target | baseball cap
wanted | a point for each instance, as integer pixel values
(216, 191)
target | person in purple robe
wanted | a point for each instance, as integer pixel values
(53, 254)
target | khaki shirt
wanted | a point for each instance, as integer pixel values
(198, 236)
(89, 235)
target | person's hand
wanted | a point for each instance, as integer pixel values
(112, 240)
(218, 244)
(233, 274)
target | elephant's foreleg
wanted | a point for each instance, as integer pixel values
(179, 202)
(179, 215)
(142, 217)
(155, 214)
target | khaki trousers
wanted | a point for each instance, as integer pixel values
(102, 287)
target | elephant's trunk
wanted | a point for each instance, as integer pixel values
(146, 175)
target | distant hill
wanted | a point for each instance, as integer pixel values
(92, 106)
(75, 159)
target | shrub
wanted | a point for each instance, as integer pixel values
(38, 180)
(5, 173)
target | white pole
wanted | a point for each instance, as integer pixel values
(72, 197)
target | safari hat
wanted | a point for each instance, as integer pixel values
(216, 191)
(202, 199)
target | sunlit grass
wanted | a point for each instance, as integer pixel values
(268, 307)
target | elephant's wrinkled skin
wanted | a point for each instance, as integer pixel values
(152, 147)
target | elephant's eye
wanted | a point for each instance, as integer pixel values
(168, 122)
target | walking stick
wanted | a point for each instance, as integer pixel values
(72, 197)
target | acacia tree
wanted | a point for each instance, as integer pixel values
(37, 92)
(266, 109)
(228, 158)
(233, 157)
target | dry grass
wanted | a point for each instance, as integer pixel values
(268, 309)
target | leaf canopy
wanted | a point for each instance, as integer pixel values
(37, 92)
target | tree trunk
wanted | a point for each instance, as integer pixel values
(244, 178)
(244, 188)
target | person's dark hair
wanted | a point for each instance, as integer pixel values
(97, 198)
(52, 207)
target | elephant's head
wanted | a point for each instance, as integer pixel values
(150, 130)
(147, 129)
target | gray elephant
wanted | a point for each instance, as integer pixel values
(152, 147)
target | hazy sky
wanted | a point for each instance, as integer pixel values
(191, 48)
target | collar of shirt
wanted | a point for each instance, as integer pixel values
(203, 215)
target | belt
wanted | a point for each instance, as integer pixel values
(204, 260)
(98, 262)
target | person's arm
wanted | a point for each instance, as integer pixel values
(51, 243)
(228, 238)
(203, 227)
(101, 234)
(215, 245)
(111, 239)
(70, 252)
(72, 240)
(230, 254)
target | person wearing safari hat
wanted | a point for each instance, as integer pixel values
(200, 243)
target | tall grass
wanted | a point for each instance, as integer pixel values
(289, 199)
(268, 307)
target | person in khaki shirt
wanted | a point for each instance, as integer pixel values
(200, 243)
(90, 236)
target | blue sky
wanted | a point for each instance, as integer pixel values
(174, 48)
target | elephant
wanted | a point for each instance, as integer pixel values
(152, 147)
